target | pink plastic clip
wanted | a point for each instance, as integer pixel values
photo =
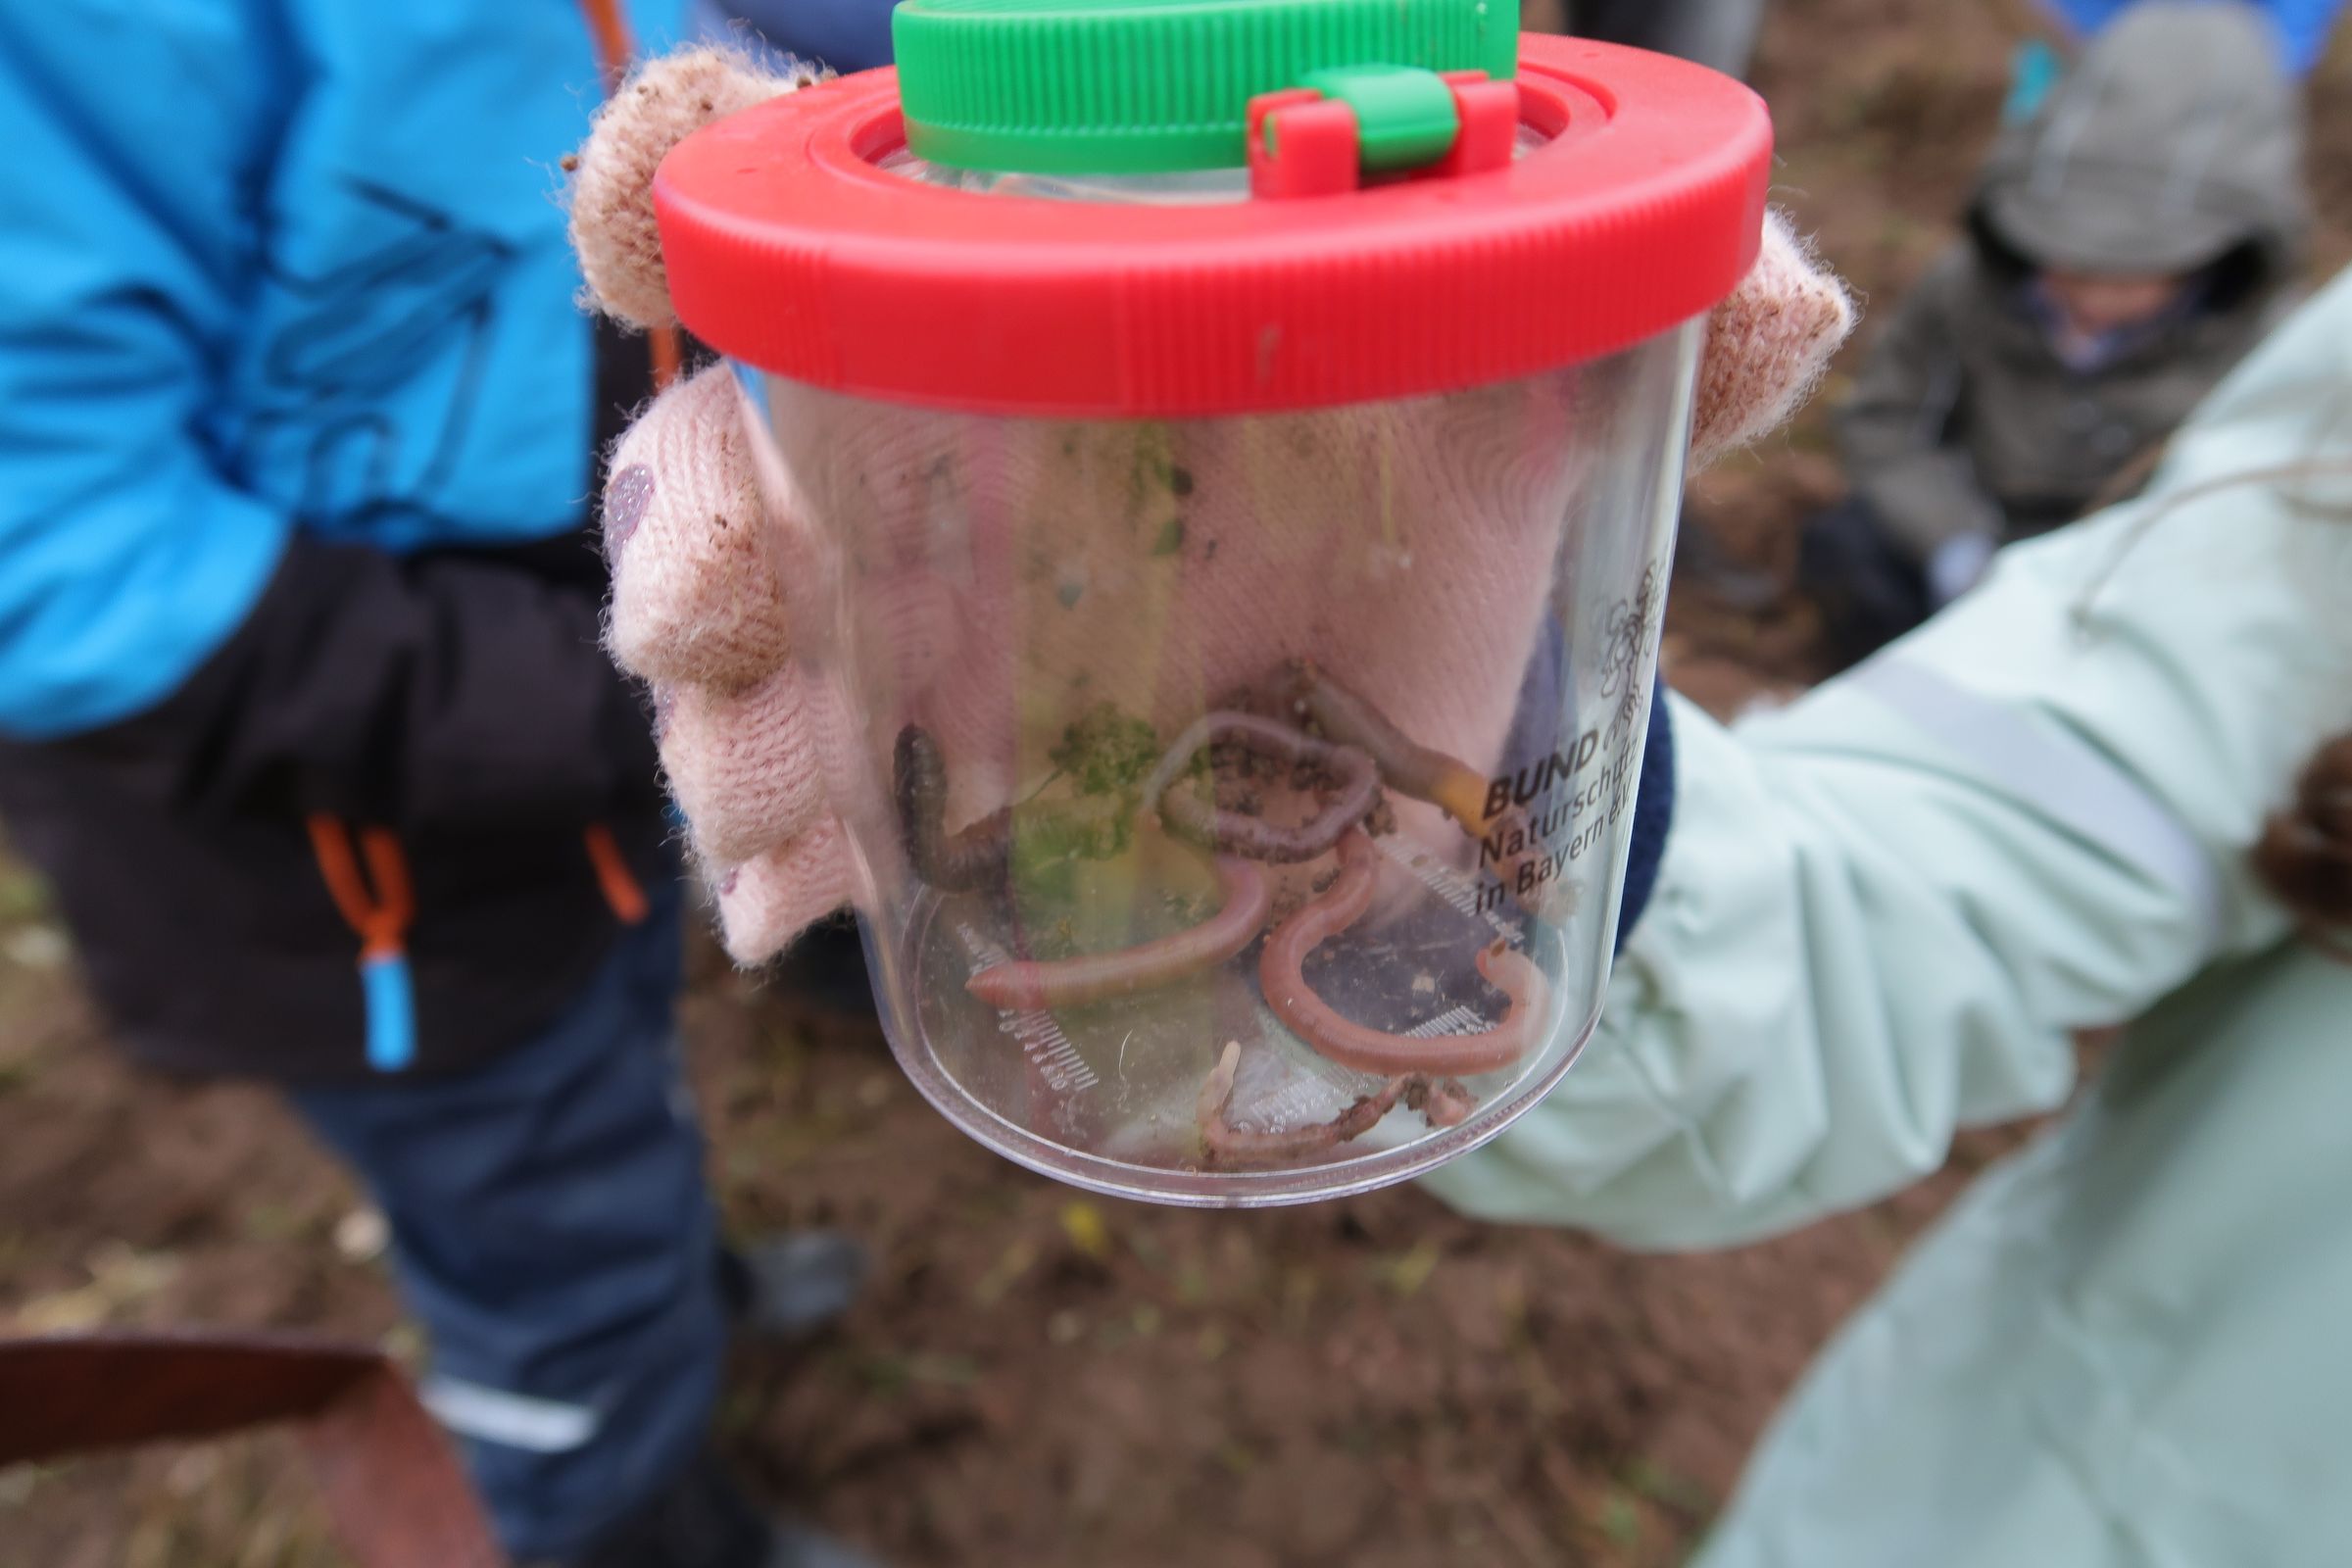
(1490, 112)
(1301, 144)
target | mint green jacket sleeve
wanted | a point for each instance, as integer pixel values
(1882, 912)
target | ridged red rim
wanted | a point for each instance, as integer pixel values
(787, 248)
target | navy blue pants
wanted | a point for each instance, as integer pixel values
(1868, 590)
(553, 1231)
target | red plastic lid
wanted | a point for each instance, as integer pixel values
(790, 249)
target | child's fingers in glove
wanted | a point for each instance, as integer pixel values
(1767, 345)
(743, 766)
(768, 900)
(695, 593)
(613, 187)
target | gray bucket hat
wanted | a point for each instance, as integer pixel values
(2175, 139)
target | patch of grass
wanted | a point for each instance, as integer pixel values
(1669, 1489)
(1405, 1275)
(19, 1483)
(1620, 1521)
(889, 1373)
(270, 1220)
(1086, 1230)
(23, 893)
(1010, 1267)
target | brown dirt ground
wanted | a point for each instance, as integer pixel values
(1038, 1378)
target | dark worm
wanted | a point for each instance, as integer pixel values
(1024, 985)
(966, 862)
(1228, 1145)
(1203, 822)
(1445, 1104)
(981, 855)
(1281, 976)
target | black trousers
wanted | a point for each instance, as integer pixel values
(1868, 590)
(1721, 33)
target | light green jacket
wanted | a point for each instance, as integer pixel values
(1881, 912)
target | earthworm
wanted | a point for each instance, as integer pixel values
(982, 853)
(1235, 833)
(1405, 766)
(1024, 985)
(971, 858)
(1281, 976)
(1444, 1103)
(1426, 775)
(1228, 1145)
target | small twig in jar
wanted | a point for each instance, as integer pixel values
(1203, 822)
(1281, 976)
(1026, 985)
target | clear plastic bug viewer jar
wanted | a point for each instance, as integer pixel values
(1226, 457)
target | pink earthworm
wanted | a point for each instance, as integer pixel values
(1422, 772)
(1025, 985)
(1235, 833)
(1281, 976)
(1405, 766)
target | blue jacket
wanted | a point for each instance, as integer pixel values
(845, 36)
(298, 417)
(2302, 25)
(271, 267)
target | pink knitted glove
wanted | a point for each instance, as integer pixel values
(715, 563)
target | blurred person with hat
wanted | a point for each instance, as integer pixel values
(2129, 242)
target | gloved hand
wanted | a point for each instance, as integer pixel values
(715, 564)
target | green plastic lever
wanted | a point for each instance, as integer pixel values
(1405, 117)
